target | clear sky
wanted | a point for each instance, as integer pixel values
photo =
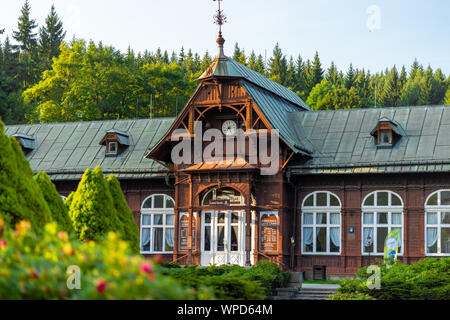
(372, 34)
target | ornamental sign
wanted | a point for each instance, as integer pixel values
(268, 231)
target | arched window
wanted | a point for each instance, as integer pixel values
(382, 212)
(321, 224)
(226, 195)
(437, 223)
(157, 224)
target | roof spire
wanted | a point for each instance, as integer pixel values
(220, 19)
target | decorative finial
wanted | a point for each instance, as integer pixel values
(220, 18)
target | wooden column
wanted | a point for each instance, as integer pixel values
(248, 236)
(257, 244)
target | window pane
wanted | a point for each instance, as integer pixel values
(158, 201)
(382, 199)
(433, 200)
(157, 219)
(369, 201)
(169, 239)
(220, 238)
(309, 202)
(307, 239)
(148, 203)
(170, 219)
(382, 218)
(169, 203)
(431, 240)
(145, 241)
(321, 239)
(321, 199)
(308, 218)
(396, 218)
(445, 217)
(207, 238)
(321, 218)
(396, 200)
(334, 202)
(335, 239)
(146, 220)
(335, 218)
(445, 198)
(207, 217)
(381, 236)
(234, 238)
(221, 218)
(368, 240)
(234, 217)
(368, 218)
(432, 218)
(445, 240)
(158, 239)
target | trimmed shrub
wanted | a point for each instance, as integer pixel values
(20, 196)
(54, 201)
(91, 207)
(351, 296)
(34, 265)
(124, 213)
(428, 279)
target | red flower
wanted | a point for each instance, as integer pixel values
(101, 286)
(3, 243)
(34, 274)
(146, 267)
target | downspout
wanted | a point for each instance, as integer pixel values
(294, 223)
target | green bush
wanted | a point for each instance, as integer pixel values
(428, 279)
(20, 196)
(33, 265)
(130, 231)
(54, 201)
(91, 207)
(351, 296)
(232, 281)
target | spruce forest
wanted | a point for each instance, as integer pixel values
(45, 79)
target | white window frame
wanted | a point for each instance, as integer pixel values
(328, 210)
(109, 147)
(152, 212)
(438, 209)
(375, 210)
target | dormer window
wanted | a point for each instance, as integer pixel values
(116, 141)
(387, 133)
(112, 148)
(27, 143)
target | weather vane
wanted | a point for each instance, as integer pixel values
(220, 18)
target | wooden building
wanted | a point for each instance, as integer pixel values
(344, 178)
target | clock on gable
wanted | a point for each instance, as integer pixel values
(229, 127)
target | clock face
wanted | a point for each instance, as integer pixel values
(229, 127)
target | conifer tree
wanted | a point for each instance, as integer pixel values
(349, 77)
(317, 69)
(391, 89)
(290, 74)
(92, 208)
(278, 65)
(447, 97)
(124, 213)
(50, 38)
(260, 66)
(55, 203)
(252, 61)
(20, 196)
(332, 74)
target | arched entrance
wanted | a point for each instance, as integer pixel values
(222, 228)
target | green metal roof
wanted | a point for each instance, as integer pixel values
(343, 143)
(66, 150)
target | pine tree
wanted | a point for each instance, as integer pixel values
(308, 78)
(427, 88)
(252, 61)
(181, 57)
(206, 62)
(278, 66)
(391, 89)
(20, 196)
(447, 97)
(260, 66)
(415, 67)
(124, 213)
(55, 203)
(403, 78)
(299, 86)
(92, 208)
(350, 77)
(50, 38)
(317, 69)
(332, 75)
(290, 74)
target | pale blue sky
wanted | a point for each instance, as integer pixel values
(337, 29)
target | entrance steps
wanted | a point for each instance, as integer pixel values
(296, 290)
